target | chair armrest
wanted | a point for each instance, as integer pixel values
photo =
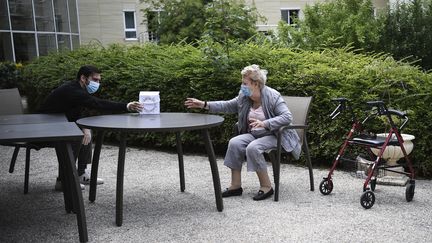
(293, 126)
(281, 129)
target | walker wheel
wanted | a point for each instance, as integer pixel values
(326, 186)
(367, 199)
(373, 183)
(409, 191)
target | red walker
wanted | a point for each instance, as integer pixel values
(366, 142)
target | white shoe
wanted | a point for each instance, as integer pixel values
(85, 179)
(58, 186)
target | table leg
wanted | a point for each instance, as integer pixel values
(120, 177)
(214, 169)
(67, 195)
(180, 160)
(27, 169)
(72, 181)
(95, 165)
(14, 158)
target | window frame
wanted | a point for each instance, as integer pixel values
(130, 29)
(288, 10)
(70, 36)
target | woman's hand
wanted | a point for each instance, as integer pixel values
(194, 103)
(255, 123)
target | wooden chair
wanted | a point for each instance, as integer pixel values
(11, 100)
(299, 107)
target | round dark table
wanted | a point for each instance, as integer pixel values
(163, 122)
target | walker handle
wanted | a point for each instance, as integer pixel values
(341, 107)
(336, 112)
(383, 111)
(400, 114)
(380, 105)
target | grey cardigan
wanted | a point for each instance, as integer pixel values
(275, 110)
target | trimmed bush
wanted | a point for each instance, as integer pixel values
(212, 72)
(10, 75)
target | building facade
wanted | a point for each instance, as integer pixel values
(117, 21)
(32, 28)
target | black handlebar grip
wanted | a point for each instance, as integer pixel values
(341, 99)
(375, 103)
(397, 113)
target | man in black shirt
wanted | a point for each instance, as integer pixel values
(72, 98)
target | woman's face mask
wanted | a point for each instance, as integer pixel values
(246, 90)
(92, 87)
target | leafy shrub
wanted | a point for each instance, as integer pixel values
(191, 20)
(10, 75)
(406, 31)
(402, 29)
(209, 73)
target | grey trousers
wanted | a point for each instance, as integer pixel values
(249, 147)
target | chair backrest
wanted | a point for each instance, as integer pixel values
(299, 107)
(10, 100)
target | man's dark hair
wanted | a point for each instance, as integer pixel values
(87, 71)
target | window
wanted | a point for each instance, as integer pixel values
(61, 16)
(44, 16)
(153, 24)
(33, 28)
(6, 52)
(25, 46)
(4, 18)
(47, 43)
(63, 42)
(73, 15)
(290, 15)
(75, 42)
(130, 26)
(21, 15)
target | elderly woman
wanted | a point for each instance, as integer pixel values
(261, 112)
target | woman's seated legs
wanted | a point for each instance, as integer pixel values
(236, 152)
(255, 152)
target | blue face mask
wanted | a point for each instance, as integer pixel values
(92, 87)
(246, 90)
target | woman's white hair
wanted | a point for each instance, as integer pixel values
(255, 74)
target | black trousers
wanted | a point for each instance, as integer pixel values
(82, 153)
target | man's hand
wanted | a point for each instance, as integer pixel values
(134, 106)
(87, 136)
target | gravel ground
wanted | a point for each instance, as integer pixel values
(156, 211)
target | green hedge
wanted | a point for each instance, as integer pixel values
(10, 75)
(212, 72)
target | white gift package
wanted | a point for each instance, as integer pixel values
(150, 101)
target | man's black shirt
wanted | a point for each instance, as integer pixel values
(71, 99)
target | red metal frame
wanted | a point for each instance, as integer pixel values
(367, 199)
